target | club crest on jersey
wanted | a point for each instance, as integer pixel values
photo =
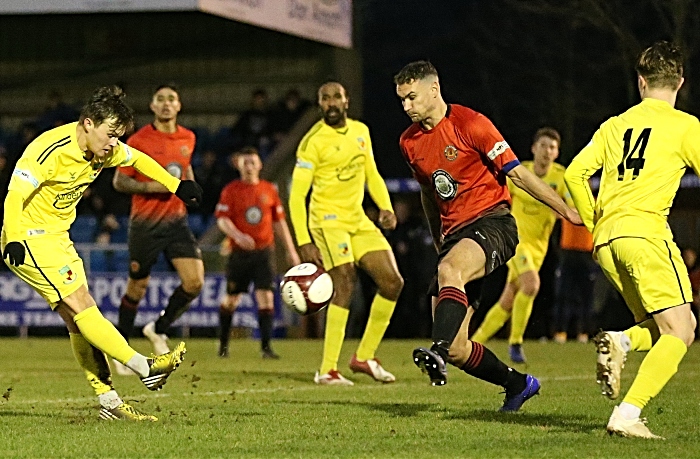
(450, 152)
(361, 143)
(344, 249)
(67, 274)
(445, 185)
(174, 169)
(253, 215)
(184, 151)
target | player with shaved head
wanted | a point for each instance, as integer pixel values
(336, 158)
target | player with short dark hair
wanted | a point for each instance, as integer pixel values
(250, 214)
(535, 222)
(644, 153)
(158, 221)
(336, 157)
(47, 183)
(461, 162)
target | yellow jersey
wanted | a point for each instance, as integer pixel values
(536, 220)
(52, 175)
(336, 163)
(643, 152)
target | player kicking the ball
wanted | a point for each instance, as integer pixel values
(46, 185)
(336, 157)
(461, 162)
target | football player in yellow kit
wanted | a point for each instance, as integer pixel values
(47, 183)
(336, 158)
(644, 153)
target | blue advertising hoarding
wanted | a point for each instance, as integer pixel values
(21, 306)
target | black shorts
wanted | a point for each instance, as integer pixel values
(148, 239)
(496, 234)
(246, 266)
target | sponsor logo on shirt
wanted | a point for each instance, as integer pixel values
(497, 150)
(253, 215)
(70, 197)
(349, 171)
(330, 217)
(26, 176)
(445, 185)
(450, 152)
(67, 274)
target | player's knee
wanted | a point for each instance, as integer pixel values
(449, 274)
(192, 286)
(530, 288)
(391, 286)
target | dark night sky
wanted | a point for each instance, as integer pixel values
(522, 69)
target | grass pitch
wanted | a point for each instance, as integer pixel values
(248, 407)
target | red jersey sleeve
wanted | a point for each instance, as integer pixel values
(486, 139)
(223, 207)
(132, 142)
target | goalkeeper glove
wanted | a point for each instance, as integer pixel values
(15, 252)
(190, 192)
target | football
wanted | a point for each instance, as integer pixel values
(307, 288)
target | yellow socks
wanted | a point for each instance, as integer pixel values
(379, 317)
(657, 368)
(494, 321)
(643, 335)
(522, 308)
(336, 319)
(94, 362)
(100, 332)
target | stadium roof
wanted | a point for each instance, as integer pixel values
(326, 21)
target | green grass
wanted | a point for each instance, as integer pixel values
(248, 407)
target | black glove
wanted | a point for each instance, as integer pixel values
(15, 252)
(190, 192)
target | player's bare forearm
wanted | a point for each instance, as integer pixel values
(283, 234)
(432, 214)
(125, 184)
(189, 173)
(538, 189)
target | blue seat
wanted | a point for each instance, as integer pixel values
(83, 229)
(121, 235)
(196, 224)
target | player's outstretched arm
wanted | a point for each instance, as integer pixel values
(188, 191)
(583, 166)
(533, 185)
(129, 185)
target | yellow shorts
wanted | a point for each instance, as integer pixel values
(649, 273)
(525, 259)
(51, 266)
(339, 246)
